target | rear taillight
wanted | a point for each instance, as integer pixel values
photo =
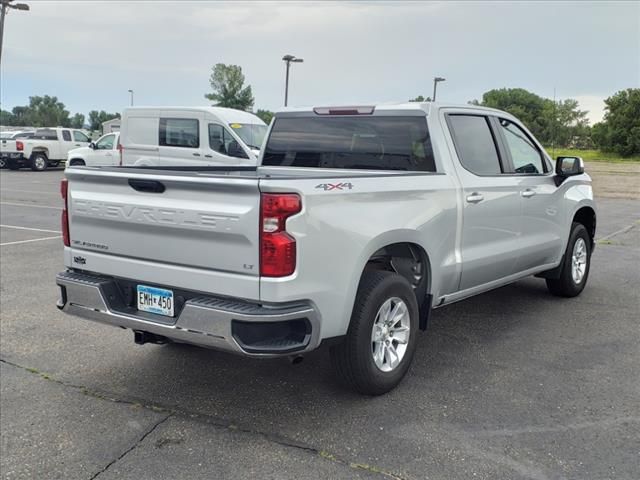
(120, 150)
(19, 146)
(277, 247)
(64, 188)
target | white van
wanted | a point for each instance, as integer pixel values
(175, 136)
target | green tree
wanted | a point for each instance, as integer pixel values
(77, 121)
(551, 123)
(227, 83)
(46, 111)
(265, 115)
(20, 116)
(420, 98)
(526, 106)
(7, 118)
(619, 131)
(96, 118)
(563, 122)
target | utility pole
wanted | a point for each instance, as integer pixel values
(5, 5)
(435, 85)
(288, 59)
(131, 97)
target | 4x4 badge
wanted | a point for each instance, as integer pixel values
(335, 186)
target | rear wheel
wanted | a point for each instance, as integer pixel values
(39, 162)
(3, 164)
(381, 339)
(575, 266)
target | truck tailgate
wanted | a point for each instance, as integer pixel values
(162, 226)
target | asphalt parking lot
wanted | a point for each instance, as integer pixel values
(511, 384)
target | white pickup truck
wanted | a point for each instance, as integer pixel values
(8, 144)
(104, 151)
(357, 222)
(46, 148)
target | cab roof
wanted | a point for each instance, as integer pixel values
(227, 115)
(427, 107)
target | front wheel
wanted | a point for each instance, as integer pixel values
(575, 266)
(39, 162)
(381, 340)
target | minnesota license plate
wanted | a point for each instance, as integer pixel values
(155, 300)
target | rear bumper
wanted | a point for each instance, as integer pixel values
(13, 158)
(220, 323)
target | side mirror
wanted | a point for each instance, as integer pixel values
(569, 166)
(235, 150)
(92, 145)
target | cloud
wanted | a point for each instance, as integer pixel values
(594, 104)
(89, 53)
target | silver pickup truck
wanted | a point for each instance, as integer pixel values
(357, 222)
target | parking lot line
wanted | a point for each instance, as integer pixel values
(29, 241)
(32, 229)
(29, 205)
(36, 192)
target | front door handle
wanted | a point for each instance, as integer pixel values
(528, 193)
(195, 154)
(208, 156)
(475, 197)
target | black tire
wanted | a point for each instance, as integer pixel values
(565, 285)
(3, 163)
(39, 162)
(353, 359)
(76, 161)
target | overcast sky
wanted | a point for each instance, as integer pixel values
(89, 53)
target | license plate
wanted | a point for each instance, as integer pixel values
(155, 300)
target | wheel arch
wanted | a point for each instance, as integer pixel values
(586, 216)
(409, 259)
(37, 150)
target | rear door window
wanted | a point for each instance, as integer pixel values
(179, 132)
(356, 142)
(66, 135)
(475, 144)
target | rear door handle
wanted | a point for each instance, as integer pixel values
(147, 186)
(208, 156)
(528, 193)
(475, 197)
(195, 154)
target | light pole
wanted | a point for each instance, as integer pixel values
(435, 85)
(5, 5)
(288, 59)
(131, 97)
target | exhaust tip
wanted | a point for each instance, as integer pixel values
(296, 359)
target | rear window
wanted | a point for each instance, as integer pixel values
(45, 134)
(375, 143)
